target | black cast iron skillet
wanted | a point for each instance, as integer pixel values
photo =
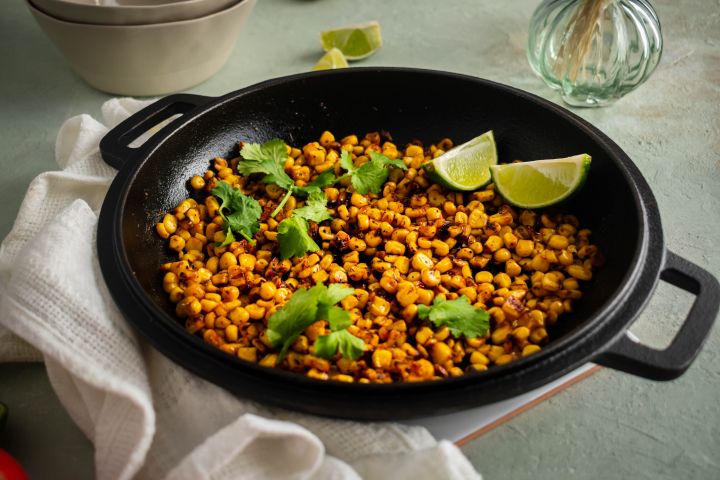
(616, 203)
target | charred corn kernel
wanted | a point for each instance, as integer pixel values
(549, 283)
(540, 263)
(530, 349)
(227, 260)
(565, 258)
(176, 243)
(524, 248)
(430, 277)
(413, 151)
(389, 284)
(358, 200)
(269, 360)
(381, 359)
(249, 354)
(421, 261)
(578, 272)
(538, 335)
(521, 333)
(478, 358)
(444, 265)
(442, 334)
(267, 290)
(495, 352)
(423, 335)
(558, 242)
(326, 139)
(425, 296)
(247, 260)
(197, 182)
(503, 359)
(513, 268)
(239, 316)
(441, 353)
(502, 280)
(161, 230)
(500, 335)
(357, 244)
(407, 294)
(231, 333)
(393, 247)
(502, 255)
(349, 140)
(255, 312)
(493, 243)
(423, 368)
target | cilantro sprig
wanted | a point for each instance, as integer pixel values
(243, 212)
(293, 236)
(340, 339)
(306, 307)
(458, 315)
(268, 158)
(371, 175)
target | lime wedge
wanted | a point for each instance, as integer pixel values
(465, 167)
(354, 41)
(540, 183)
(334, 58)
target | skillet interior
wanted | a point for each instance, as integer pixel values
(426, 106)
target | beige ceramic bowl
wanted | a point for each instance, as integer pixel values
(146, 60)
(130, 14)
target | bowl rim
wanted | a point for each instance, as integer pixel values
(37, 11)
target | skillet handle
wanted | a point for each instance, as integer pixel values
(632, 357)
(114, 146)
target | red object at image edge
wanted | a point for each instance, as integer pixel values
(10, 469)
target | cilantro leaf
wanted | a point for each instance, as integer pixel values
(315, 209)
(336, 317)
(371, 175)
(245, 216)
(334, 293)
(293, 238)
(458, 315)
(306, 307)
(268, 158)
(325, 179)
(348, 344)
(286, 325)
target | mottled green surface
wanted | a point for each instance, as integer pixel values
(609, 426)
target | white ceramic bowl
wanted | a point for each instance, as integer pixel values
(131, 14)
(146, 60)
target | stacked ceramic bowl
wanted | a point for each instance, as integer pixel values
(143, 47)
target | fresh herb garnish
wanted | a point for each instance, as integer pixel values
(293, 238)
(268, 158)
(371, 175)
(458, 315)
(293, 235)
(315, 209)
(325, 179)
(339, 339)
(303, 309)
(244, 216)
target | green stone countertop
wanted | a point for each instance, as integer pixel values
(611, 425)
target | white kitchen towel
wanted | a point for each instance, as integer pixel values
(147, 417)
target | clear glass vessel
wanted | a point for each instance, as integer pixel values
(594, 51)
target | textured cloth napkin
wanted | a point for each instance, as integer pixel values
(147, 417)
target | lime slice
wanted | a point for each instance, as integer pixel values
(334, 58)
(465, 167)
(354, 41)
(540, 183)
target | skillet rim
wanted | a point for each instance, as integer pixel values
(606, 323)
